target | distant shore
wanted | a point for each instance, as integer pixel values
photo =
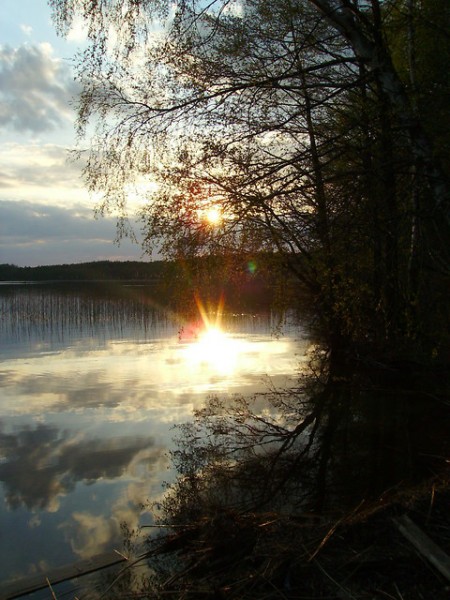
(90, 271)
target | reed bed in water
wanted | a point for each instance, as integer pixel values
(46, 311)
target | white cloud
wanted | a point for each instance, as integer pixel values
(35, 521)
(35, 89)
(26, 29)
(40, 172)
(91, 534)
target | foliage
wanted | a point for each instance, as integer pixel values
(298, 121)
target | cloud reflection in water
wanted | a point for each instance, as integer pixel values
(85, 422)
(43, 463)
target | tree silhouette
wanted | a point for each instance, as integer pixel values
(299, 122)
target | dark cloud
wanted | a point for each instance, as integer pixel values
(33, 234)
(29, 222)
(32, 222)
(35, 89)
(42, 463)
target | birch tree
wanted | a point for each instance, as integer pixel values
(248, 109)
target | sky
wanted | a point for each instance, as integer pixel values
(46, 215)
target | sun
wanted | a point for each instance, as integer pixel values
(213, 215)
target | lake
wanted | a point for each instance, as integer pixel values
(93, 379)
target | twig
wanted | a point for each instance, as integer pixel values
(51, 589)
(333, 529)
(398, 591)
(433, 491)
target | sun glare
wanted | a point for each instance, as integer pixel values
(214, 351)
(213, 215)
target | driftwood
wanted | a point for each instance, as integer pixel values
(21, 587)
(424, 545)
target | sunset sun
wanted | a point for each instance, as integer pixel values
(213, 215)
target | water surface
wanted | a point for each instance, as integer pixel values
(92, 381)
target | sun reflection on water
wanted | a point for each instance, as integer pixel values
(213, 350)
(88, 406)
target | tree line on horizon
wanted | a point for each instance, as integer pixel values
(95, 270)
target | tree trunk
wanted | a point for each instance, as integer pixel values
(352, 24)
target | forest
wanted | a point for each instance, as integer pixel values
(316, 131)
(97, 270)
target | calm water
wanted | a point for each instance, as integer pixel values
(92, 381)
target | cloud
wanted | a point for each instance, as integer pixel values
(26, 167)
(26, 29)
(32, 222)
(41, 173)
(91, 534)
(42, 464)
(35, 89)
(129, 397)
(35, 233)
(46, 215)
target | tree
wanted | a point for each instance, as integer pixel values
(292, 118)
